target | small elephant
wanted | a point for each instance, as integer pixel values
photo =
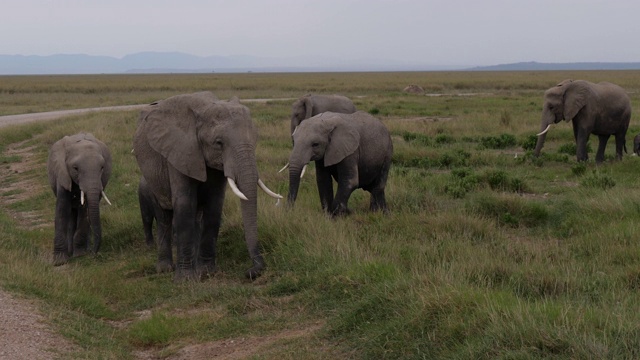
(188, 147)
(79, 167)
(149, 210)
(636, 145)
(355, 149)
(602, 109)
(312, 105)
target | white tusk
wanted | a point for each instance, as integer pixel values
(81, 197)
(545, 130)
(106, 198)
(266, 189)
(303, 170)
(235, 189)
(283, 168)
(294, 130)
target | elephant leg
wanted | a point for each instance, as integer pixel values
(164, 232)
(211, 217)
(582, 138)
(82, 232)
(325, 186)
(184, 193)
(347, 183)
(62, 223)
(147, 212)
(602, 144)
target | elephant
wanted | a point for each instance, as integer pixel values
(602, 109)
(311, 105)
(636, 145)
(188, 147)
(354, 149)
(79, 167)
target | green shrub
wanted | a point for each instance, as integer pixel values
(444, 139)
(598, 180)
(529, 143)
(498, 142)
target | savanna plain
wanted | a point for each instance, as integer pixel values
(487, 252)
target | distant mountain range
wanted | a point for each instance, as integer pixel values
(176, 62)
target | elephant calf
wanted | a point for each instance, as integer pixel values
(354, 149)
(312, 105)
(79, 167)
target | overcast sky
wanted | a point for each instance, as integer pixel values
(437, 32)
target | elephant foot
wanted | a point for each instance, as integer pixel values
(340, 211)
(164, 266)
(79, 252)
(207, 270)
(186, 275)
(60, 258)
(256, 270)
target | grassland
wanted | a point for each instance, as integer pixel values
(487, 253)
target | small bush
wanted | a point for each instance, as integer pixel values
(579, 169)
(568, 148)
(511, 211)
(416, 138)
(462, 181)
(452, 159)
(374, 111)
(444, 139)
(498, 142)
(598, 180)
(529, 143)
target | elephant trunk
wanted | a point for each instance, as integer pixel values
(295, 172)
(93, 207)
(545, 125)
(247, 181)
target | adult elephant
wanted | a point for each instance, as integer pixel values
(602, 109)
(354, 149)
(188, 147)
(312, 105)
(79, 167)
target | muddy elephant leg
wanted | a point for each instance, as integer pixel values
(210, 222)
(81, 233)
(164, 233)
(582, 137)
(602, 144)
(347, 183)
(63, 218)
(325, 187)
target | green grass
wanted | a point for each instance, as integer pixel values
(487, 252)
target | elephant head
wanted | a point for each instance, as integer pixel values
(561, 102)
(195, 133)
(79, 166)
(327, 137)
(300, 110)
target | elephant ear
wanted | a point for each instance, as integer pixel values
(58, 173)
(308, 106)
(344, 140)
(171, 131)
(575, 98)
(106, 171)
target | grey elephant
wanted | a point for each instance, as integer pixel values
(354, 149)
(312, 105)
(79, 167)
(602, 109)
(636, 145)
(188, 147)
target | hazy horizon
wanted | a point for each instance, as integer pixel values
(431, 32)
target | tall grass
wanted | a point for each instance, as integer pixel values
(487, 252)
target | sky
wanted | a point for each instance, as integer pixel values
(434, 32)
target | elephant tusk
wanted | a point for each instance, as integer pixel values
(269, 192)
(106, 198)
(235, 189)
(81, 197)
(283, 168)
(545, 130)
(303, 170)
(294, 130)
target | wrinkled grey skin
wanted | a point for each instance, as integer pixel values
(601, 109)
(77, 163)
(186, 146)
(312, 105)
(354, 149)
(149, 207)
(636, 145)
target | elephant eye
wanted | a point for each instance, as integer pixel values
(315, 144)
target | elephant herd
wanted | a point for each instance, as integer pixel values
(189, 147)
